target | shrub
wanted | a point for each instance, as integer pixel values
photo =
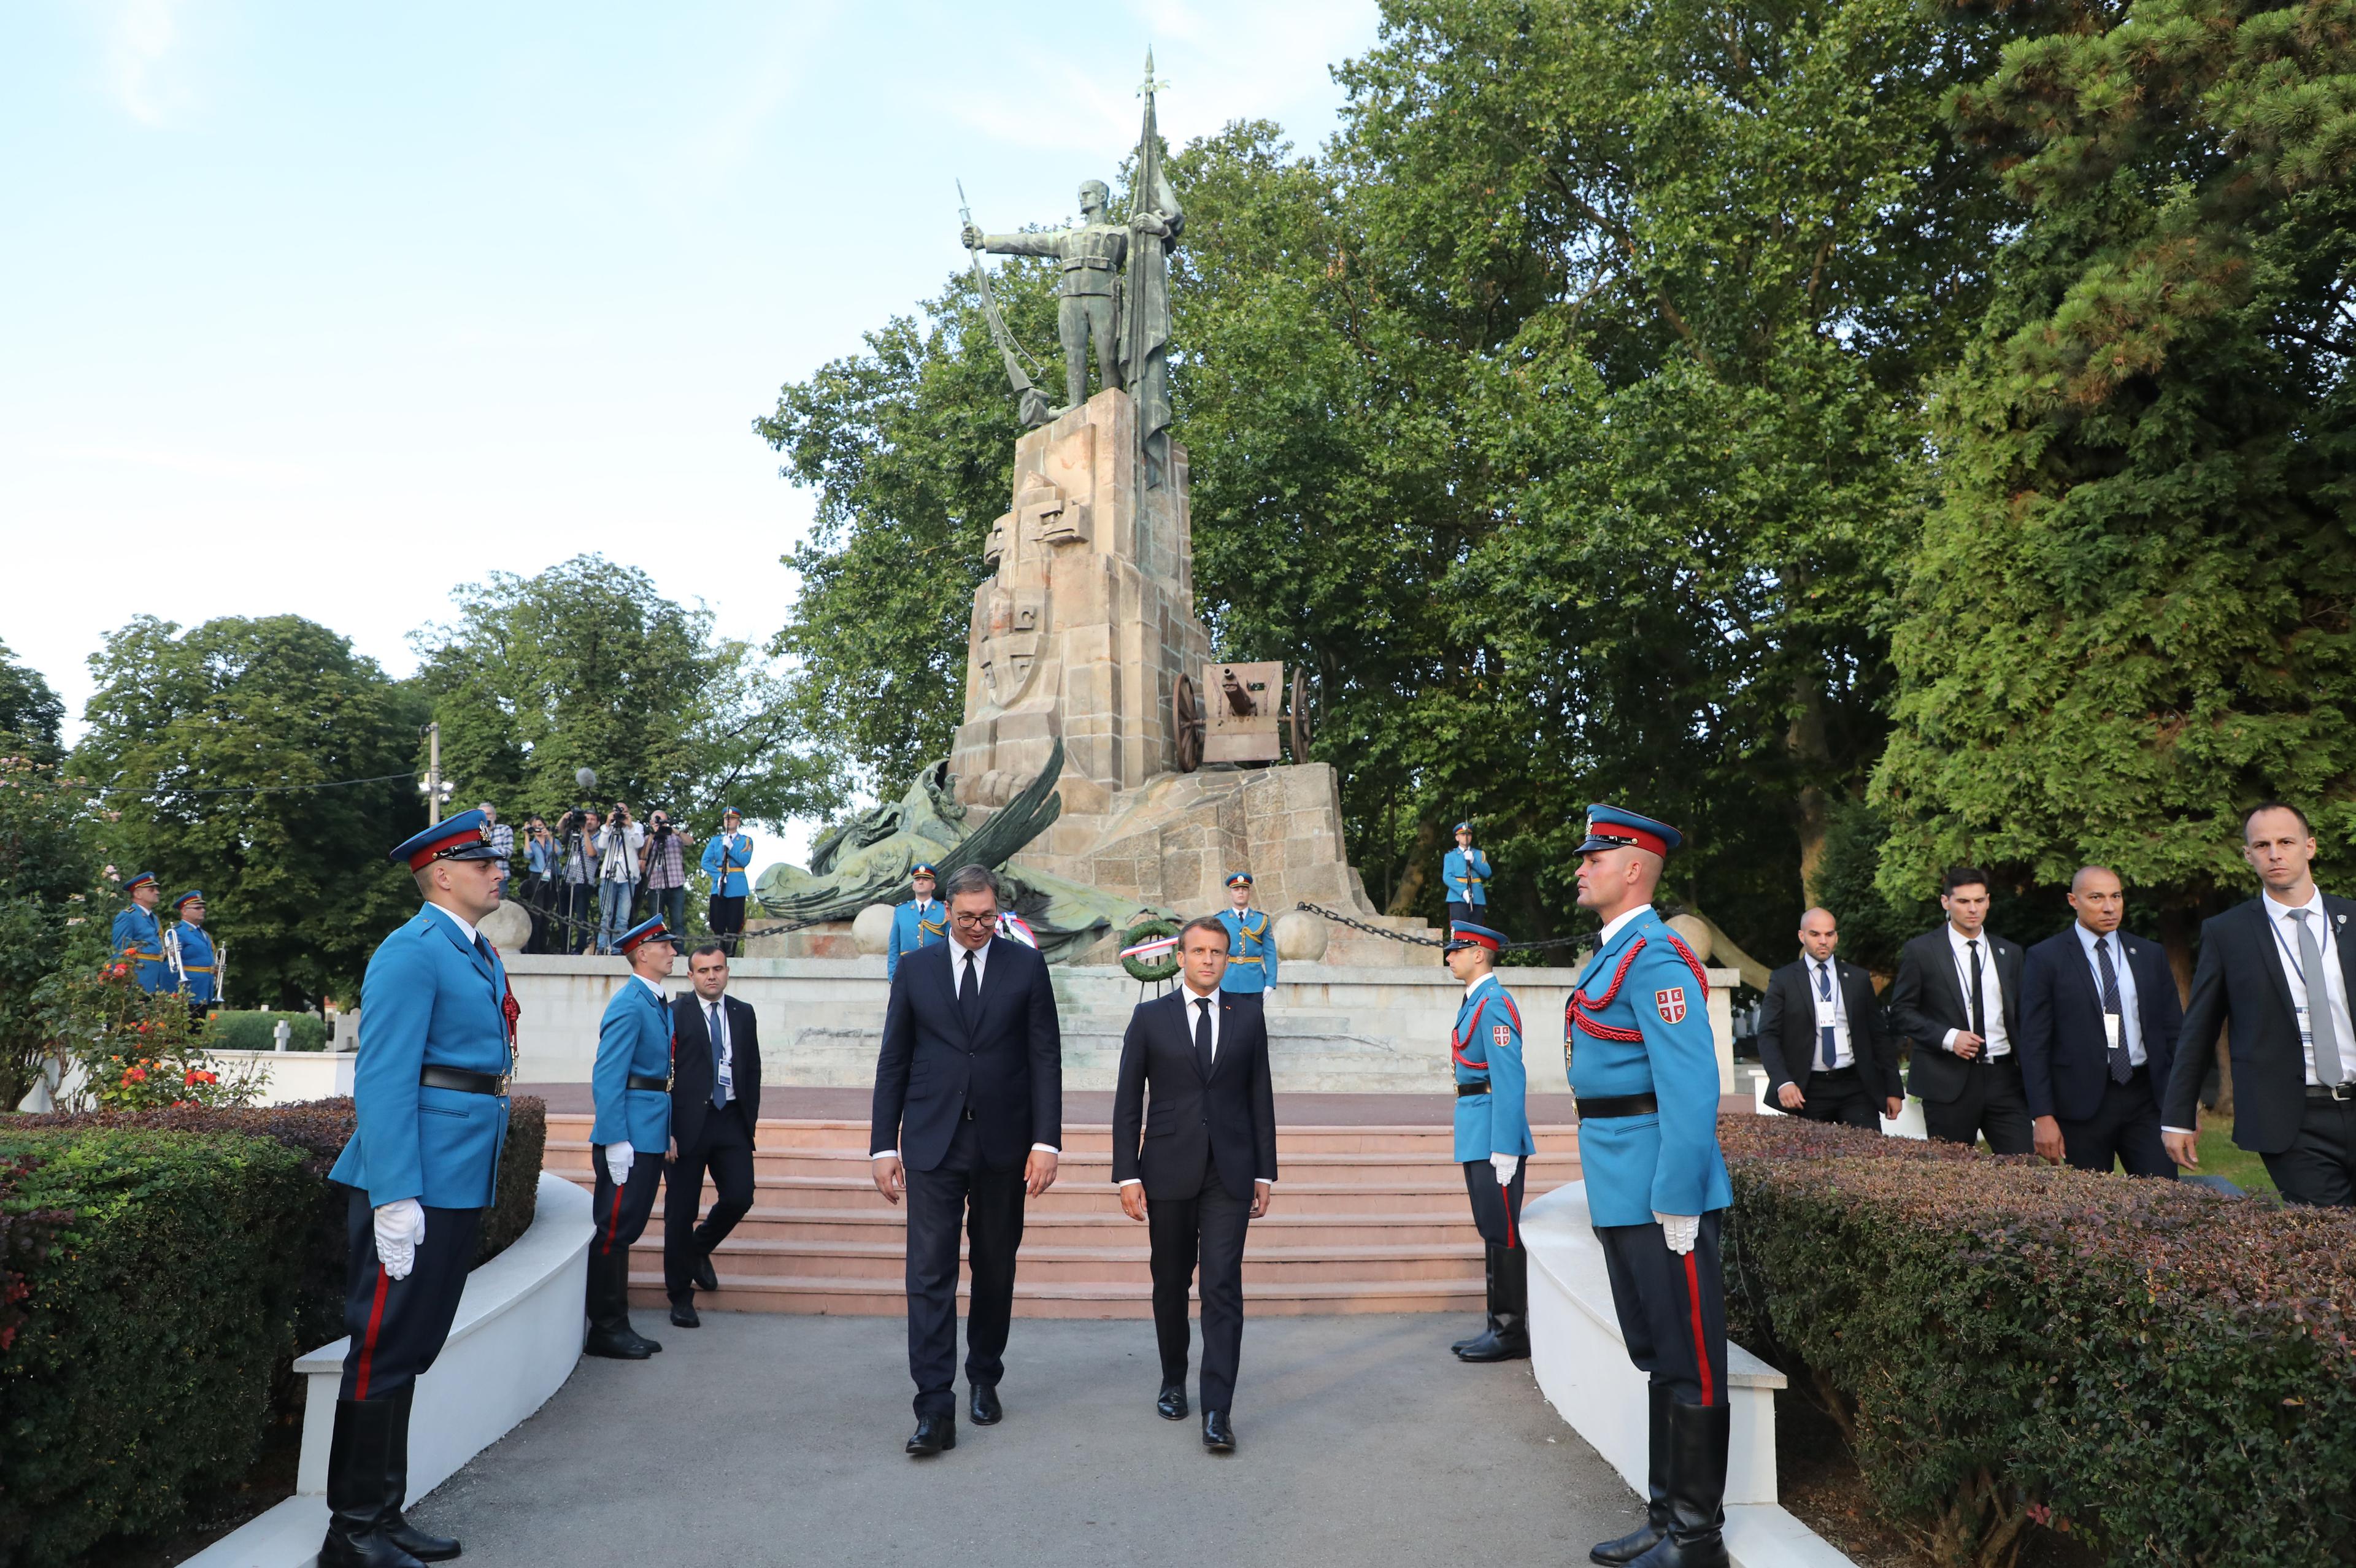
(25, 1235)
(142, 1372)
(258, 1031)
(2159, 1371)
(137, 1049)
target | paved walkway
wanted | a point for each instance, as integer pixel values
(773, 1439)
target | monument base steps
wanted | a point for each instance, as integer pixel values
(1368, 1219)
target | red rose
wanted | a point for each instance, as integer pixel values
(134, 1075)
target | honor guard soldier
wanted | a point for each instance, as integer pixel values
(138, 938)
(919, 922)
(631, 1083)
(1466, 871)
(197, 966)
(1492, 1135)
(430, 1115)
(1251, 942)
(1637, 1045)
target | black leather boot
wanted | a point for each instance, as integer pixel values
(610, 1334)
(357, 1454)
(1489, 1267)
(1699, 1435)
(399, 1530)
(1509, 1339)
(1638, 1542)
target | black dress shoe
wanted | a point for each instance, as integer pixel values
(617, 1344)
(933, 1433)
(684, 1315)
(705, 1278)
(1173, 1401)
(986, 1410)
(1219, 1434)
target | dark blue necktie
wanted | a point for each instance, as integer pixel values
(2121, 1068)
(1203, 1033)
(970, 992)
(1825, 1034)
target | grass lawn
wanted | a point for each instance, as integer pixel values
(2219, 1157)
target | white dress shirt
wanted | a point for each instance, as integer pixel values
(1833, 1011)
(1999, 1043)
(1612, 928)
(465, 928)
(2130, 1023)
(650, 986)
(959, 953)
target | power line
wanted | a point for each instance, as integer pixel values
(160, 787)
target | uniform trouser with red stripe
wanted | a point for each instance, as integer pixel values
(398, 1325)
(1672, 1307)
(1496, 1211)
(621, 1211)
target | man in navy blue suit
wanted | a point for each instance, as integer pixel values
(2098, 1023)
(969, 1115)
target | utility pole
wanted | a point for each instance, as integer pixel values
(433, 786)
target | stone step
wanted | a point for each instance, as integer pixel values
(1059, 1262)
(569, 1131)
(886, 1223)
(1085, 1167)
(746, 1293)
(1398, 1195)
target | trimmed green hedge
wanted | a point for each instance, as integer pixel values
(2162, 1373)
(259, 1031)
(270, 1273)
(142, 1372)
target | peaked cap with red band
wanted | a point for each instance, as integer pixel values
(1467, 934)
(137, 877)
(466, 837)
(637, 937)
(1609, 828)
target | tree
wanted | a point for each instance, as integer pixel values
(910, 447)
(49, 865)
(267, 764)
(585, 664)
(2130, 615)
(30, 713)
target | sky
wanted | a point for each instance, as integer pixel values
(329, 309)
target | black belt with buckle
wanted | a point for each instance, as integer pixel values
(2339, 1093)
(648, 1081)
(463, 1081)
(1605, 1106)
(1464, 1089)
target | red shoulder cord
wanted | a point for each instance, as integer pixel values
(1575, 1011)
(1456, 1046)
(1701, 975)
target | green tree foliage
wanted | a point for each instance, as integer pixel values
(30, 713)
(586, 665)
(48, 864)
(225, 754)
(910, 448)
(2130, 615)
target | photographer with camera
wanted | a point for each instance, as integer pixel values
(618, 853)
(576, 910)
(540, 867)
(663, 867)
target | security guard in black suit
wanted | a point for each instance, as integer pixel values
(1957, 999)
(716, 1105)
(1821, 1039)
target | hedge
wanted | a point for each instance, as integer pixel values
(259, 1031)
(142, 1372)
(2157, 1372)
(273, 1271)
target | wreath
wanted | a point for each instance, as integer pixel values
(1150, 970)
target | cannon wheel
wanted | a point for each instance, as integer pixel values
(1187, 724)
(1302, 731)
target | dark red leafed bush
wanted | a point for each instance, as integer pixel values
(2155, 1370)
(25, 1234)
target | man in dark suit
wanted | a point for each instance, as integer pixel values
(716, 1105)
(2277, 971)
(1198, 1164)
(1958, 1000)
(2098, 1022)
(1821, 1039)
(969, 1114)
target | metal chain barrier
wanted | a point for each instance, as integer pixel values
(1420, 941)
(564, 936)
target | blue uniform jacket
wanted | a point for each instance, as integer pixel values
(914, 929)
(635, 1037)
(197, 961)
(140, 938)
(734, 852)
(1467, 876)
(1251, 951)
(1638, 1022)
(429, 999)
(1486, 1047)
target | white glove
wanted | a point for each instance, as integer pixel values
(1505, 1165)
(618, 1159)
(1680, 1231)
(400, 1232)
